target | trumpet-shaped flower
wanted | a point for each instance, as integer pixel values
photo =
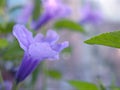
(52, 9)
(89, 15)
(36, 49)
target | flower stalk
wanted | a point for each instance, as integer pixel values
(15, 86)
(1, 79)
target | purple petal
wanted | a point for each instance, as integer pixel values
(89, 15)
(55, 57)
(61, 46)
(38, 38)
(56, 6)
(7, 85)
(41, 51)
(23, 36)
(53, 9)
(27, 66)
(51, 37)
(42, 20)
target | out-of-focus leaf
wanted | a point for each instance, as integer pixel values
(15, 8)
(68, 24)
(37, 9)
(101, 86)
(3, 43)
(80, 85)
(69, 49)
(54, 74)
(2, 3)
(111, 39)
(114, 88)
(6, 28)
(13, 52)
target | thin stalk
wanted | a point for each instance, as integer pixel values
(45, 76)
(15, 86)
(1, 79)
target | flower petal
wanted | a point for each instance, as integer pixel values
(90, 15)
(38, 38)
(27, 66)
(23, 36)
(51, 8)
(51, 37)
(41, 51)
(61, 46)
(42, 20)
(56, 6)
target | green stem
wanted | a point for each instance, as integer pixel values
(1, 79)
(15, 86)
(45, 76)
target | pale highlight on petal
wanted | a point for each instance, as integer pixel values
(41, 51)
(51, 36)
(38, 38)
(61, 46)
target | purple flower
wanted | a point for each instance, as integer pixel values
(6, 85)
(52, 9)
(25, 14)
(89, 15)
(36, 49)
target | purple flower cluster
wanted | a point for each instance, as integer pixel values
(36, 49)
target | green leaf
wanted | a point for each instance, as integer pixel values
(80, 85)
(6, 28)
(37, 9)
(115, 88)
(69, 49)
(12, 52)
(3, 43)
(101, 86)
(2, 3)
(68, 24)
(111, 39)
(54, 74)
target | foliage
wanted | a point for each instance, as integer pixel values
(80, 85)
(37, 9)
(12, 52)
(55, 74)
(69, 25)
(6, 28)
(3, 43)
(111, 39)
